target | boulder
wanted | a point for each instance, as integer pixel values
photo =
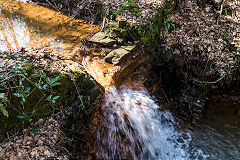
(117, 56)
(128, 47)
(76, 68)
(102, 39)
(106, 51)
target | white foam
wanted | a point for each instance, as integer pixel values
(139, 129)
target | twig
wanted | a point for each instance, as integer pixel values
(10, 88)
(7, 78)
(55, 7)
(80, 97)
(103, 23)
(210, 82)
(221, 10)
(165, 96)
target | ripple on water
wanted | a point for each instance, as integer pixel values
(217, 134)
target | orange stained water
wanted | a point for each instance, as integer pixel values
(107, 74)
(27, 25)
(101, 71)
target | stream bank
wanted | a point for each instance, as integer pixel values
(40, 77)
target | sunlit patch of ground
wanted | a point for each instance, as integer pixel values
(206, 37)
(235, 17)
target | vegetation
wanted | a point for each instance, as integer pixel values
(130, 6)
(29, 93)
(151, 34)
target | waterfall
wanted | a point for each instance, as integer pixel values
(135, 127)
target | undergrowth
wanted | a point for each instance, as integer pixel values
(21, 84)
(28, 93)
(150, 35)
(129, 5)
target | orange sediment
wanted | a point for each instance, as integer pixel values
(33, 26)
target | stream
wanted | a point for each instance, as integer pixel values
(31, 26)
(217, 133)
(138, 128)
(133, 126)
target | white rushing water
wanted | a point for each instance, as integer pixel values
(13, 34)
(137, 128)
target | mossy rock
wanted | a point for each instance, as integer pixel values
(117, 56)
(37, 106)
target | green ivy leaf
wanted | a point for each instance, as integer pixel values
(54, 80)
(45, 87)
(16, 67)
(3, 84)
(55, 84)
(49, 98)
(166, 29)
(23, 101)
(2, 95)
(20, 83)
(124, 4)
(17, 95)
(27, 90)
(56, 97)
(3, 110)
(20, 116)
(168, 25)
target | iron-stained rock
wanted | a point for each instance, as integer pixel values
(106, 51)
(128, 47)
(102, 39)
(76, 68)
(116, 56)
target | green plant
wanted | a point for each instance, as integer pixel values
(168, 24)
(3, 99)
(232, 47)
(131, 6)
(36, 128)
(196, 47)
(21, 82)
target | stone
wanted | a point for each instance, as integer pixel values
(40, 142)
(106, 50)
(19, 154)
(129, 47)
(47, 153)
(102, 39)
(120, 40)
(207, 9)
(34, 153)
(2, 63)
(76, 68)
(117, 56)
(98, 36)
